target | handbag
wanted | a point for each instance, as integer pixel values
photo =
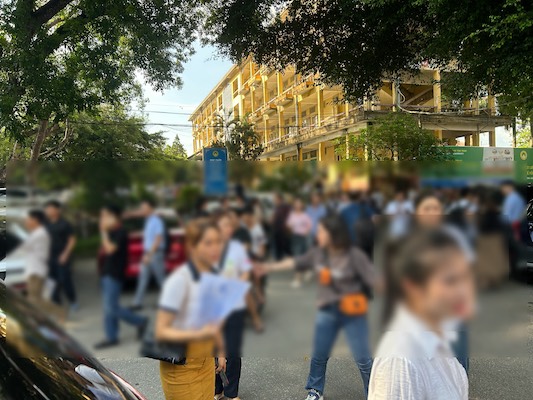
(171, 352)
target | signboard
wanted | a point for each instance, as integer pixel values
(476, 164)
(524, 165)
(215, 171)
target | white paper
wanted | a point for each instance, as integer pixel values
(218, 298)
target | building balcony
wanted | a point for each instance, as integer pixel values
(342, 124)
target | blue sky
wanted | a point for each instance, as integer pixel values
(201, 74)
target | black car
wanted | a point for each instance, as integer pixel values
(38, 360)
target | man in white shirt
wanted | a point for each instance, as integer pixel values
(36, 251)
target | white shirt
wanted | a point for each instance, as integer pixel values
(35, 251)
(399, 208)
(414, 363)
(180, 295)
(259, 240)
(236, 262)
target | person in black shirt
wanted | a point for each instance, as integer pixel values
(115, 248)
(63, 241)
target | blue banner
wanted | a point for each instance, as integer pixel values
(215, 171)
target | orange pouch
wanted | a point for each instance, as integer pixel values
(324, 277)
(354, 304)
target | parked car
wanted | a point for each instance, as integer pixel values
(13, 267)
(175, 252)
(40, 361)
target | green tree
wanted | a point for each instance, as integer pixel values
(58, 57)
(176, 151)
(395, 136)
(239, 137)
(355, 43)
(109, 134)
(524, 137)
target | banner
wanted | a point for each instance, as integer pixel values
(215, 171)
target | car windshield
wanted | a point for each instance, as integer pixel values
(37, 348)
(530, 211)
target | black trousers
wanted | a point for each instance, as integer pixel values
(62, 275)
(233, 337)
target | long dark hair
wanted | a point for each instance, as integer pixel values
(412, 259)
(338, 231)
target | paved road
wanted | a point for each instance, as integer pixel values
(276, 362)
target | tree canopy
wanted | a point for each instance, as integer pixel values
(394, 136)
(58, 57)
(355, 43)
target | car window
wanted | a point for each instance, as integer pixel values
(530, 211)
(20, 194)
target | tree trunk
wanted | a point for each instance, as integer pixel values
(41, 134)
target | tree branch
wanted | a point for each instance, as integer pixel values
(61, 145)
(47, 11)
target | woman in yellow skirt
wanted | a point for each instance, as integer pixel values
(195, 380)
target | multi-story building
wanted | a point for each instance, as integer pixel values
(298, 118)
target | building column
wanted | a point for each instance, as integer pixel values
(475, 105)
(492, 138)
(281, 122)
(321, 151)
(437, 92)
(265, 122)
(468, 140)
(475, 139)
(394, 94)
(438, 134)
(320, 105)
(299, 152)
(491, 104)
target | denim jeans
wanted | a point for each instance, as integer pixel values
(113, 312)
(329, 321)
(299, 245)
(461, 347)
(155, 267)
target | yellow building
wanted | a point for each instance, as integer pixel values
(298, 118)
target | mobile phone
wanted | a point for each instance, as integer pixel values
(224, 377)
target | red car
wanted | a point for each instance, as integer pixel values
(175, 254)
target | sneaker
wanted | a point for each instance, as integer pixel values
(314, 395)
(74, 308)
(104, 344)
(219, 396)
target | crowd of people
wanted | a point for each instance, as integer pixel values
(418, 250)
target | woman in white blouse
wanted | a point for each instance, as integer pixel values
(430, 285)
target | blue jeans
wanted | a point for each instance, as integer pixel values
(113, 312)
(155, 267)
(329, 321)
(461, 347)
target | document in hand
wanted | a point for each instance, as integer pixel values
(218, 298)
